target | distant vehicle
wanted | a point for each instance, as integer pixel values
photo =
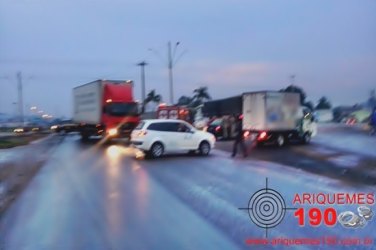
(18, 130)
(324, 115)
(160, 136)
(268, 116)
(105, 108)
(173, 112)
(66, 126)
(35, 129)
(351, 120)
(215, 127)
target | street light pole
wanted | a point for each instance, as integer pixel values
(292, 78)
(20, 96)
(170, 64)
(172, 59)
(142, 65)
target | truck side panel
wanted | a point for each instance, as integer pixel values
(87, 103)
(254, 111)
(281, 110)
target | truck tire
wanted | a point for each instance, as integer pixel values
(84, 137)
(156, 150)
(280, 140)
(306, 138)
(204, 148)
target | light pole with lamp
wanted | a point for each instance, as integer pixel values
(171, 62)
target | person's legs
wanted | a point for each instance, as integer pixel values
(244, 148)
(235, 148)
(224, 132)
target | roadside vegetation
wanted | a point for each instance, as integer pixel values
(23, 163)
(19, 140)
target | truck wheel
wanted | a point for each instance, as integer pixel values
(280, 140)
(84, 137)
(156, 150)
(306, 138)
(204, 148)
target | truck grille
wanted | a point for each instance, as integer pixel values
(127, 128)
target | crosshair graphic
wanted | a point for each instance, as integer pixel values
(266, 208)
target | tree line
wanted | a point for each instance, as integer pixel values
(201, 94)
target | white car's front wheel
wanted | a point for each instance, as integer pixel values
(204, 148)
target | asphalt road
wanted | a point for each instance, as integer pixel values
(101, 197)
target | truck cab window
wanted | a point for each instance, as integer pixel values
(121, 109)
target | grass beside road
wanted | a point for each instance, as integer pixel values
(17, 170)
(19, 140)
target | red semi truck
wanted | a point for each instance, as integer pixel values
(105, 108)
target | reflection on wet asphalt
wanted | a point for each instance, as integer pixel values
(89, 197)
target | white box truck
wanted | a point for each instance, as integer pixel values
(268, 116)
(276, 117)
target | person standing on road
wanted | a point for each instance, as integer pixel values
(239, 139)
(372, 121)
(232, 121)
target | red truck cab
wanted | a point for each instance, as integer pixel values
(120, 111)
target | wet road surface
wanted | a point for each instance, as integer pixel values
(89, 197)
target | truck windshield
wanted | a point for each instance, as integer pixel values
(121, 109)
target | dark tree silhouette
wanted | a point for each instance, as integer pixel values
(151, 97)
(310, 105)
(296, 89)
(324, 103)
(200, 95)
(184, 100)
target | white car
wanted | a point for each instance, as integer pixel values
(159, 136)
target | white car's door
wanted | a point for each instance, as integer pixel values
(189, 138)
(163, 132)
(173, 137)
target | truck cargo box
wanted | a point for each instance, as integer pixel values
(87, 103)
(269, 110)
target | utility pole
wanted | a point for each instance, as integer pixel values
(20, 97)
(172, 59)
(292, 78)
(170, 76)
(142, 65)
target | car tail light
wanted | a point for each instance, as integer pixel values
(262, 136)
(217, 128)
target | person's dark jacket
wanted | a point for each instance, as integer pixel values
(239, 130)
(373, 119)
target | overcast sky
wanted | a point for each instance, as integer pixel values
(232, 46)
